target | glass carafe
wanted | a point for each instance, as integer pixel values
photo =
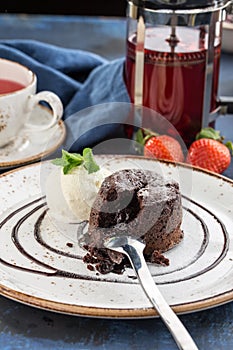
(173, 57)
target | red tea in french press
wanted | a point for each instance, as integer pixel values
(173, 57)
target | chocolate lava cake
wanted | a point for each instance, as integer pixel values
(140, 203)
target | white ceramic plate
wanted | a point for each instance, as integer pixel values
(41, 264)
(28, 146)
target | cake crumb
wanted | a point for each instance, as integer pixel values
(158, 258)
(90, 267)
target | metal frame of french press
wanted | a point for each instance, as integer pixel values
(192, 17)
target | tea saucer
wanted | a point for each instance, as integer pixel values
(29, 146)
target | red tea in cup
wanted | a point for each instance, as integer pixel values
(9, 86)
(18, 100)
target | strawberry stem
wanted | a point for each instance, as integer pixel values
(144, 135)
(209, 133)
(229, 145)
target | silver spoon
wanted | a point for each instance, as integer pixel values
(134, 250)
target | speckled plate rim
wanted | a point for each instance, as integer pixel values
(77, 310)
(126, 313)
(40, 155)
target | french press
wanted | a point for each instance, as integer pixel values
(173, 57)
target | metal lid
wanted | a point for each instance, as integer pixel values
(177, 4)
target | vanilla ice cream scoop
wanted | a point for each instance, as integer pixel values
(56, 202)
(70, 195)
(80, 188)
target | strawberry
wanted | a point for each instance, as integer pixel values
(209, 152)
(160, 146)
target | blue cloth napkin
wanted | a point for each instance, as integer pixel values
(81, 79)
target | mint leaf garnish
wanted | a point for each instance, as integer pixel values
(58, 161)
(69, 161)
(89, 162)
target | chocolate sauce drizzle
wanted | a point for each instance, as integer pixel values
(38, 204)
(40, 240)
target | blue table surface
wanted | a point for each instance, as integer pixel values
(24, 327)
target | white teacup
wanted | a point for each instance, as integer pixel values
(18, 98)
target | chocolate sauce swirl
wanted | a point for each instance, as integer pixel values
(38, 208)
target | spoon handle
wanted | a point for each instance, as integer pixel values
(134, 251)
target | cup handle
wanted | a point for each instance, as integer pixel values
(56, 109)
